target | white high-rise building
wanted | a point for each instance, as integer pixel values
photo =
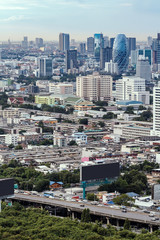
(132, 88)
(111, 67)
(94, 87)
(156, 111)
(61, 88)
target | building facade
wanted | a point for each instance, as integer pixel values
(132, 88)
(94, 87)
(45, 67)
(64, 42)
(105, 56)
(61, 88)
(121, 52)
(156, 111)
(71, 59)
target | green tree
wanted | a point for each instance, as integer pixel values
(109, 115)
(83, 121)
(127, 224)
(1, 131)
(101, 124)
(11, 146)
(91, 197)
(85, 217)
(72, 142)
(141, 107)
(129, 110)
(18, 147)
(123, 199)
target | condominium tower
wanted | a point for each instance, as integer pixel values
(94, 87)
(132, 88)
(64, 44)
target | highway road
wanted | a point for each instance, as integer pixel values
(106, 211)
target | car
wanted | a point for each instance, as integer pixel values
(151, 214)
(82, 205)
(146, 211)
(133, 209)
(124, 210)
(153, 219)
(157, 218)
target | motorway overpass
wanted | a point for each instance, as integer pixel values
(101, 211)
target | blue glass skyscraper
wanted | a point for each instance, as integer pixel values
(98, 44)
(121, 52)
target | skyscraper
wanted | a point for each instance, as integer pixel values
(82, 48)
(64, 43)
(90, 45)
(71, 59)
(111, 42)
(105, 56)
(45, 67)
(106, 41)
(25, 42)
(98, 43)
(39, 42)
(143, 69)
(121, 53)
(131, 44)
(149, 41)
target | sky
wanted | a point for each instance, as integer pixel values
(80, 18)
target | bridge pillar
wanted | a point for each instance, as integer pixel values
(107, 220)
(151, 228)
(117, 222)
(73, 215)
(41, 207)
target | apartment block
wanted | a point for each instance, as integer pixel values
(94, 87)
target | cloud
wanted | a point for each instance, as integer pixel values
(13, 18)
(127, 4)
(12, 8)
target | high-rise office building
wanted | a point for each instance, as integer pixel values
(132, 88)
(121, 52)
(98, 44)
(143, 69)
(64, 42)
(111, 42)
(25, 42)
(131, 44)
(94, 87)
(45, 67)
(82, 48)
(105, 56)
(156, 111)
(71, 59)
(149, 41)
(39, 42)
(106, 41)
(90, 45)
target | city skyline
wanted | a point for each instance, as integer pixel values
(79, 18)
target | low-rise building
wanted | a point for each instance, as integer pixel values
(79, 138)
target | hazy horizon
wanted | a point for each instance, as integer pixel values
(79, 18)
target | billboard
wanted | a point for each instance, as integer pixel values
(6, 187)
(99, 171)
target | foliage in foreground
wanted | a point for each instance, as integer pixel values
(18, 223)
